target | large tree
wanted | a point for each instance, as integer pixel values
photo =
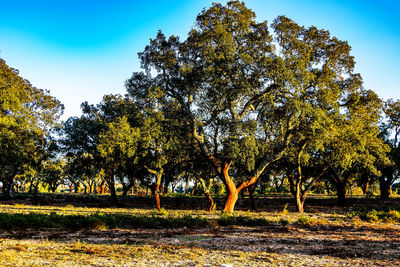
(26, 116)
(243, 90)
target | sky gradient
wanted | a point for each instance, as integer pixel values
(82, 50)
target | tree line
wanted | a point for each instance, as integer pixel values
(238, 101)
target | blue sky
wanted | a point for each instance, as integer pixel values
(82, 50)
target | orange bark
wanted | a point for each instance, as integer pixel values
(157, 197)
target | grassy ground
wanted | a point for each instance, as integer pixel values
(246, 238)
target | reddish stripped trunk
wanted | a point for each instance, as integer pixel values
(102, 186)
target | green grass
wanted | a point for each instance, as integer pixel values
(388, 216)
(38, 221)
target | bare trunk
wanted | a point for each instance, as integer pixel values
(125, 190)
(252, 200)
(111, 187)
(299, 203)
(156, 186)
(186, 183)
(102, 186)
(94, 186)
(113, 194)
(365, 188)
(30, 188)
(385, 187)
(157, 197)
(210, 201)
(8, 188)
(341, 193)
(233, 193)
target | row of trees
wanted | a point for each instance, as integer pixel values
(240, 102)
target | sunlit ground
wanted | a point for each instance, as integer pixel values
(313, 239)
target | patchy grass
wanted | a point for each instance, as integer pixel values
(68, 236)
(97, 221)
(387, 216)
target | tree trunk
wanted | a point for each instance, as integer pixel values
(156, 186)
(134, 186)
(102, 186)
(111, 186)
(8, 188)
(126, 189)
(113, 194)
(186, 183)
(194, 190)
(327, 188)
(210, 201)
(157, 196)
(384, 188)
(297, 195)
(207, 193)
(233, 193)
(252, 200)
(30, 187)
(172, 188)
(94, 187)
(365, 187)
(299, 203)
(341, 193)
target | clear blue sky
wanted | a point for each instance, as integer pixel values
(82, 50)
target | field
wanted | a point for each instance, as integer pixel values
(37, 235)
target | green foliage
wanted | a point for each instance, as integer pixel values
(26, 116)
(390, 216)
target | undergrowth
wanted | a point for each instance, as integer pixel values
(97, 221)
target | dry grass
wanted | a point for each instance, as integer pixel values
(314, 239)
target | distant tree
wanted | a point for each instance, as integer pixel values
(117, 144)
(52, 174)
(78, 142)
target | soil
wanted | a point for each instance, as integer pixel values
(339, 244)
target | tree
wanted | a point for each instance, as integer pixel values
(79, 140)
(390, 135)
(356, 144)
(52, 174)
(117, 144)
(26, 117)
(244, 91)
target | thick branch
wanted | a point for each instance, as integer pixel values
(253, 101)
(264, 164)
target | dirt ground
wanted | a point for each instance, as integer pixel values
(332, 244)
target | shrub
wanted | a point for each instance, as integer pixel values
(285, 210)
(304, 220)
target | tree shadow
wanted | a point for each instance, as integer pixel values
(338, 241)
